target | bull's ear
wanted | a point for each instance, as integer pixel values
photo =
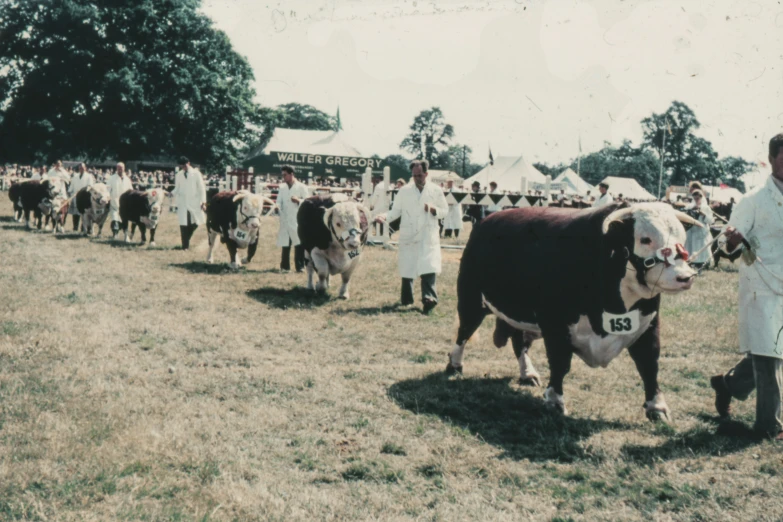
(367, 215)
(618, 216)
(328, 218)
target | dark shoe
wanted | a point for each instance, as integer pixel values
(429, 304)
(722, 396)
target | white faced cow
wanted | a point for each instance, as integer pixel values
(236, 218)
(332, 230)
(587, 281)
(92, 204)
(142, 209)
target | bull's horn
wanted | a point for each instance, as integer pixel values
(617, 216)
(367, 213)
(685, 218)
(328, 218)
(240, 195)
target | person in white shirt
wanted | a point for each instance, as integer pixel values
(697, 238)
(78, 181)
(377, 201)
(190, 197)
(493, 207)
(291, 194)
(452, 223)
(60, 177)
(605, 198)
(419, 205)
(118, 184)
(37, 174)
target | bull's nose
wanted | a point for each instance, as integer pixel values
(685, 279)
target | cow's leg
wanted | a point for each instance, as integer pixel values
(521, 342)
(344, 292)
(232, 253)
(27, 219)
(133, 229)
(470, 314)
(251, 251)
(124, 228)
(143, 231)
(38, 218)
(310, 272)
(645, 353)
(559, 353)
(152, 235)
(321, 265)
(211, 238)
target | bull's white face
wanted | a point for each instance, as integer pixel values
(249, 211)
(99, 196)
(344, 222)
(155, 199)
(660, 236)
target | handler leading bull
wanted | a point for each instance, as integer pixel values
(588, 281)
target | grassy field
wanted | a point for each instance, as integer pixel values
(142, 384)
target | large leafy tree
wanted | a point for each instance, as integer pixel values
(429, 136)
(120, 79)
(624, 161)
(732, 169)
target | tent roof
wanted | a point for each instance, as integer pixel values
(571, 179)
(722, 195)
(507, 172)
(329, 143)
(628, 187)
(443, 176)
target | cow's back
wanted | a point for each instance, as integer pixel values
(83, 200)
(312, 230)
(31, 193)
(536, 260)
(221, 211)
(133, 205)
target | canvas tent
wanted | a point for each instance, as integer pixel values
(628, 187)
(722, 195)
(507, 172)
(442, 176)
(573, 184)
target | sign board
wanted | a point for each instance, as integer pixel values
(320, 165)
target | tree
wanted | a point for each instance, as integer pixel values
(550, 170)
(398, 164)
(623, 161)
(732, 169)
(123, 79)
(429, 136)
(303, 117)
(338, 124)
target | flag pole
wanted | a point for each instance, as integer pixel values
(663, 151)
(579, 157)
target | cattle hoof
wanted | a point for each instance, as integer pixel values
(234, 266)
(453, 370)
(152, 244)
(533, 380)
(555, 401)
(210, 260)
(344, 297)
(659, 416)
(245, 261)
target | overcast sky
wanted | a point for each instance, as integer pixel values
(527, 77)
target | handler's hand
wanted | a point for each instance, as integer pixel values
(295, 199)
(204, 207)
(380, 218)
(733, 238)
(430, 209)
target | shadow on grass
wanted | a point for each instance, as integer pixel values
(202, 267)
(377, 310)
(8, 219)
(17, 226)
(293, 298)
(730, 437)
(492, 410)
(69, 236)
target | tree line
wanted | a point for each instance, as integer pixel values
(154, 79)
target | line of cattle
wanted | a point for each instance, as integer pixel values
(587, 281)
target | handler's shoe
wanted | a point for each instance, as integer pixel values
(429, 304)
(722, 396)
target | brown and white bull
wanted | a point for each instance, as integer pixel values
(143, 209)
(332, 230)
(236, 218)
(56, 210)
(588, 281)
(92, 203)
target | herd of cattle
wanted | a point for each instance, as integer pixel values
(588, 281)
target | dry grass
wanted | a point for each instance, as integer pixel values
(142, 385)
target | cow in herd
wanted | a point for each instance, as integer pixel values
(92, 204)
(142, 209)
(37, 197)
(235, 216)
(588, 281)
(332, 230)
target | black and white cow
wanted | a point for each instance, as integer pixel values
(14, 194)
(92, 203)
(55, 210)
(143, 209)
(332, 230)
(35, 196)
(587, 281)
(236, 218)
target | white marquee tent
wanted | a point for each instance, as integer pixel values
(507, 172)
(573, 183)
(628, 187)
(722, 195)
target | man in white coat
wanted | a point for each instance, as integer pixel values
(697, 238)
(118, 184)
(453, 221)
(377, 201)
(292, 192)
(78, 181)
(190, 198)
(605, 198)
(757, 222)
(419, 205)
(60, 177)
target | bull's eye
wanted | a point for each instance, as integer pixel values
(339, 225)
(646, 241)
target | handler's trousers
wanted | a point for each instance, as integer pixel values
(186, 232)
(765, 375)
(429, 291)
(299, 259)
(449, 231)
(76, 222)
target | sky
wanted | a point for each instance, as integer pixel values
(523, 77)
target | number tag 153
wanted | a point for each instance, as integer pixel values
(621, 324)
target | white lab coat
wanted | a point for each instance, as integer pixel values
(494, 207)
(189, 193)
(697, 238)
(759, 217)
(376, 203)
(288, 210)
(78, 182)
(61, 178)
(604, 200)
(453, 219)
(117, 186)
(419, 246)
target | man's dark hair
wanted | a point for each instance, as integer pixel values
(493, 184)
(288, 168)
(424, 164)
(604, 185)
(775, 144)
(183, 160)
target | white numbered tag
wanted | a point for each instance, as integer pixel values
(98, 211)
(241, 235)
(353, 253)
(621, 324)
